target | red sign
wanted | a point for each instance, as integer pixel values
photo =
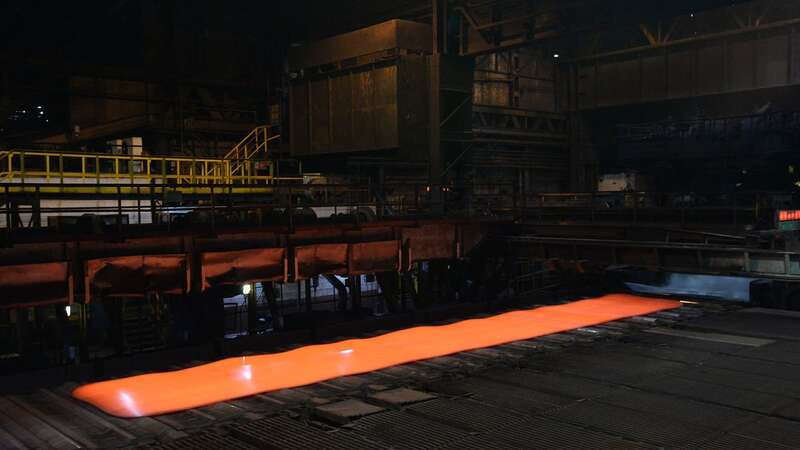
(788, 216)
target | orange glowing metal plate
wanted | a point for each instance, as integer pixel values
(165, 392)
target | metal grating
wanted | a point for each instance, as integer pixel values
(563, 385)
(756, 366)
(676, 408)
(27, 427)
(770, 429)
(722, 395)
(773, 352)
(184, 420)
(259, 404)
(200, 441)
(607, 366)
(510, 397)
(142, 427)
(746, 381)
(414, 371)
(653, 340)
(733, 441)
(465, 414)
(403, 430)
(89, 430)
(668, 353)
(631, 424)
(281, 432)
(540, 433)
(222, 411)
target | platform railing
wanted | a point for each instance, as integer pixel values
(35, 166)
(249, 153)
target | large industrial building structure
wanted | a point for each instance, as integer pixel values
(183, 182)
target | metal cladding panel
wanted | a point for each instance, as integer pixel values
(298, 101)
(135, 275)
(431, 242)
(654, 78)
(342, 125)
(243, 266)
(741, 55)
(373, 257)
(319, 101)
(412, 103)
(794, 57)
(711, 69)
(385, 108)
(681, 73)
(772, 67)
(389, 35)
(319, 259)
(363, 117)
(35, 284)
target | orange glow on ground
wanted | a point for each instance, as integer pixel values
(158, 393)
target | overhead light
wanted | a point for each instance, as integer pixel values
(247, 288)
(68, 310)
(556, 55)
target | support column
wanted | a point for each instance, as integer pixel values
(309, 306)
(435, 166)
(268, 287)
(252, 313)
(355, 292)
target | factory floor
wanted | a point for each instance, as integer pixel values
(703, 376)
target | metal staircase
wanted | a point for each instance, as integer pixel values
(243, 160)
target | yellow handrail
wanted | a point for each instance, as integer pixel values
(37, 165)
(243, 154)
(238, 167)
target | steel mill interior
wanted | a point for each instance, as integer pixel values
(400, 224)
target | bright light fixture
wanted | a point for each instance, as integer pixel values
(556, 55)
(246, 289)
(68, 310)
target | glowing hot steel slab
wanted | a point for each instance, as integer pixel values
(159, 393)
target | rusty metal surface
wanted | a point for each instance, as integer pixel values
(322, 258)
(132, 265)
(393, 34)
(134, 275)
(431, 241)
(373, 257)
(35, 284)
(352, 111)
(243, 266)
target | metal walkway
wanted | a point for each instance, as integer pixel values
(245, 169)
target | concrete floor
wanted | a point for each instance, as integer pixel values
(706, 377)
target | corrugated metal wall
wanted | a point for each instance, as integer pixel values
(767, 59)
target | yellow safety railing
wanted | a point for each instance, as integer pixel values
(246, 166)
(251, 152)
(66, 167)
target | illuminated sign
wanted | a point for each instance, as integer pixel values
(789, 220)
(788, 216)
